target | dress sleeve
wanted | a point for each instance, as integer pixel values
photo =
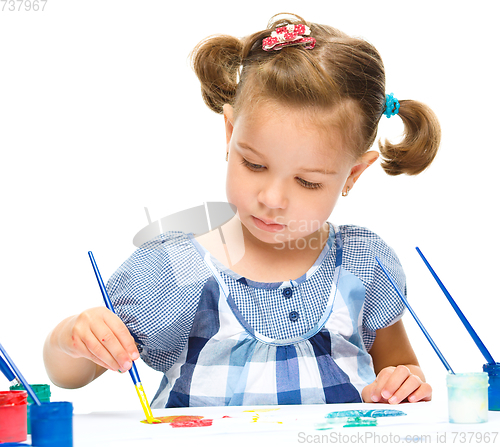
(156, 292)
(382, 306)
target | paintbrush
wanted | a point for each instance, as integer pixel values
(14, 371)
(464, 320)
(133, 370)
(405, 301)
(8, 373)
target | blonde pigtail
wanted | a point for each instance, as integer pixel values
(216, 61)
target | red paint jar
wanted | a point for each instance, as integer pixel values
(13, 408)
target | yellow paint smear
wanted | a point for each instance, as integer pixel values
(263, 410)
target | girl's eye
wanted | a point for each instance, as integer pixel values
(304, 183)
(310, 185)
(250, 165)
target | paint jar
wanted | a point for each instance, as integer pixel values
(43, 393)
(13, 405)
(52, 424)
(493, 370)
(12, 444)
(467, 397)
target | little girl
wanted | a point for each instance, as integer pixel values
(276, 306)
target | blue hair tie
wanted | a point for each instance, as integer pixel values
(391, 105)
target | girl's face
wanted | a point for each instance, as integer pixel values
(285, 170)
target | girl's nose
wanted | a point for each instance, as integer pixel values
(273, 194)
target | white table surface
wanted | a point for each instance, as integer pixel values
(425, 423)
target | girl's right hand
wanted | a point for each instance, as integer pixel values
(99, 335)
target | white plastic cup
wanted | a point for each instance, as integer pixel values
(467, 397)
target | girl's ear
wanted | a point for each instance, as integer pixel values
(228, 121)
(366, 160)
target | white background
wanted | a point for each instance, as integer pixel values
(101, 116)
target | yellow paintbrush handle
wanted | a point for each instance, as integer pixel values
(144, 403)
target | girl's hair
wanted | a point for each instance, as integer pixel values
(341, 73)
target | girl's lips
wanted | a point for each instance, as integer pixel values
(269, 222)
(267, 227)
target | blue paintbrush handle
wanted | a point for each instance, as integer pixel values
(465, 322)
(18, 374)
(102, 286)
(134, 374)
(133, 370)
(6, 370)
(405, 301)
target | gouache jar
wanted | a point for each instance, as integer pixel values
(42, 391)
(467, 397)
(13, 405)
(493, 370)
(52, 424)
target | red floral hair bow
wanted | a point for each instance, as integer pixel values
(289, 35)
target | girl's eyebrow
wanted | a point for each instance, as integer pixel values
(321, 171)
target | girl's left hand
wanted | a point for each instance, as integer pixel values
(395, 384)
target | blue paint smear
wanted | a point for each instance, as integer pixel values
(365, 413)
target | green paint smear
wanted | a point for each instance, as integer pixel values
(324, 426)
(361, 422)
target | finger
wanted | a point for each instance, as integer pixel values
(108, 340)
(423, 393)
(397, 378)
(81, 350)
(99, 362)
(381, 380)
(96, 348)
(77, 347)
(123, 335)
(411, 384)
(367, 392)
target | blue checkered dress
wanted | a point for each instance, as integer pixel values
(222, 339)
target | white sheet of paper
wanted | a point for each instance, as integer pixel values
(278, 425)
